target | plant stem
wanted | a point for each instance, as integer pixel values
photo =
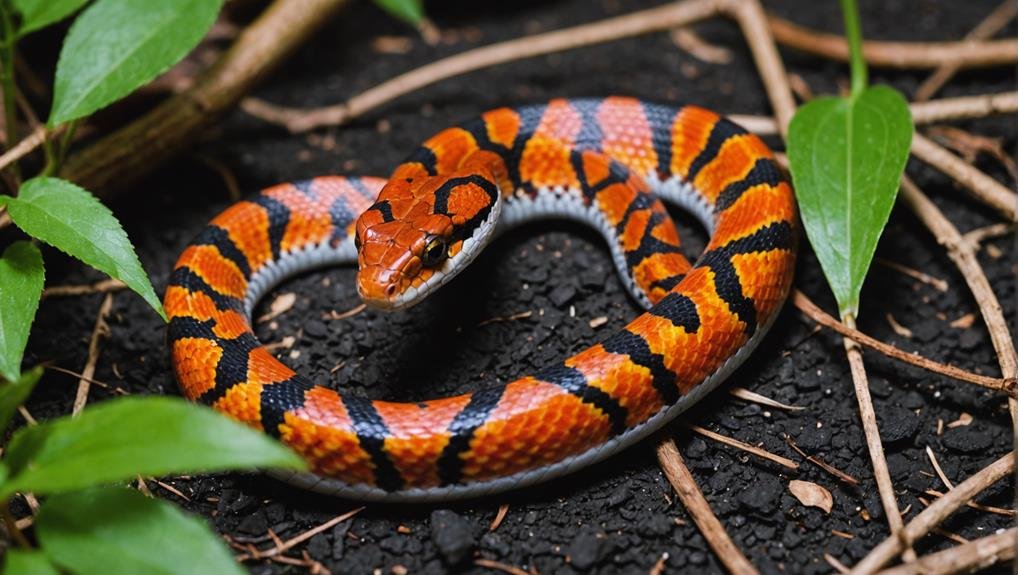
(7, 80)
(853, 34)
(12, 525)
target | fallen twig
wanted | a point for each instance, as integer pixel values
(282, 547)
(896, 54)
(747, 395)
(24, 147)
(805, 305)
(970, 557)
(503, 510)
(978, 506)
(821, 464)
(114, 162)
(937, 283)
(992, 24)
(784, 461)
(100, 332)
(685, 486)
(72, 290)
(489, 564)
(986, 189)
(933, 515)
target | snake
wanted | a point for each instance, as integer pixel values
(611, 163)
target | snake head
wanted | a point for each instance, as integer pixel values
(420, 232)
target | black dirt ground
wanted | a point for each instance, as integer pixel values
(620, 516)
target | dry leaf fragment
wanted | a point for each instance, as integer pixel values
(897, 327)
(964, 322)
(280, 305)
(963, 419)
(598, 321)
(811, 494)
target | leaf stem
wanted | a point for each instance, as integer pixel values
(853, 34)
(7, 80)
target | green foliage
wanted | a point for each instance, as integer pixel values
(26, 562)
(846, 157)
(15, 393)
(118, 440)
(119, 531)
(410, 11)
(21, 279)
(72, 220)
(115, 46)
(37, 14)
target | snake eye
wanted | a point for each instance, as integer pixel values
(435, 252)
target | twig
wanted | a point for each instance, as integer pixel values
(687, 39)
(873, 444)
(24, 147)
(821, 464)
(784, 461)
(896, 54)
(101, 331)
(985, 188)
(992, 24)
(936, 467)
(92, 381)
(978, 506)
(104, 286)
(114, 161)
(503, 318)
(335, 315)
(503, 510)
(635, 23)
(488, 563)
(970, 146)
(685, 486)
(934, 514)
(279, 549)
(963, 255)
(942, 110)
(937, 283)
(805, 305)
(980, 235)
(747, 395)
(970, 557)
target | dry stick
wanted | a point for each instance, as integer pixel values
(281, 548)
(985, 188)
(784, 461)
(992, 24)
(972, 556)
(632, 24)
(114, 161)
(685, 486)
(72, 290)
(963, 254)
(101, 330)
(933, 515)
(24, 147)
(805, 305)
(896, 54)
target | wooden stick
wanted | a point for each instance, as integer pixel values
(896, 54)
(100, 332)
(692, 498)
(934, 514)
(805, 305)
(103, 286)
(24, 147)
(970, 557)
(114, 163)
(992, 24)
(633, 24)
(783, 461)
(985, 188)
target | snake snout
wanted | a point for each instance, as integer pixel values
(378, 286)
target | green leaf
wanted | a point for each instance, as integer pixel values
(37, 14)
(120, 439)
(115, 46)
(28, 562)
(112, 531)
(21, 278)
(15, 393)
(72, 220)
(846, 158)
(410, 11)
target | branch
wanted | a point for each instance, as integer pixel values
(818, 315)
(936, 513)
(115, 162)
(896, 54)
(985, 188)
(972, 556)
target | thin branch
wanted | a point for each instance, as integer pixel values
(896, 54)
(995, 22)
(751, 396)
(101, 331)
(821, 464)
(970, 557)
(685, 486)
(783, 461)
(933, 515)
(113, 162)
(874, 446)
(103, 286)
(283, 547)
(985, 188)
(805, 305)
(24, 147)
(633, 24)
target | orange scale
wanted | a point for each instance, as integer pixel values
(629, 384)
(243, 402)
(657, 266)
(247, 225)
(502, 126)
(466, 201)
(331, 451)
(733, 162)
(309, 222)
(759, 207)
(450, 146)
(218, 272)
(230, 325)
(195, 360)
(182, 302)
(767, 290)
(262, 368)
(595, 167)
(690, 131)
(626, 134)
(636, 227)
(614, 200)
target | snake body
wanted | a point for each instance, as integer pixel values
(607, 162)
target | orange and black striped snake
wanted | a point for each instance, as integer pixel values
(607, 162)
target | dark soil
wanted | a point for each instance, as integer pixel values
(619, 516)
